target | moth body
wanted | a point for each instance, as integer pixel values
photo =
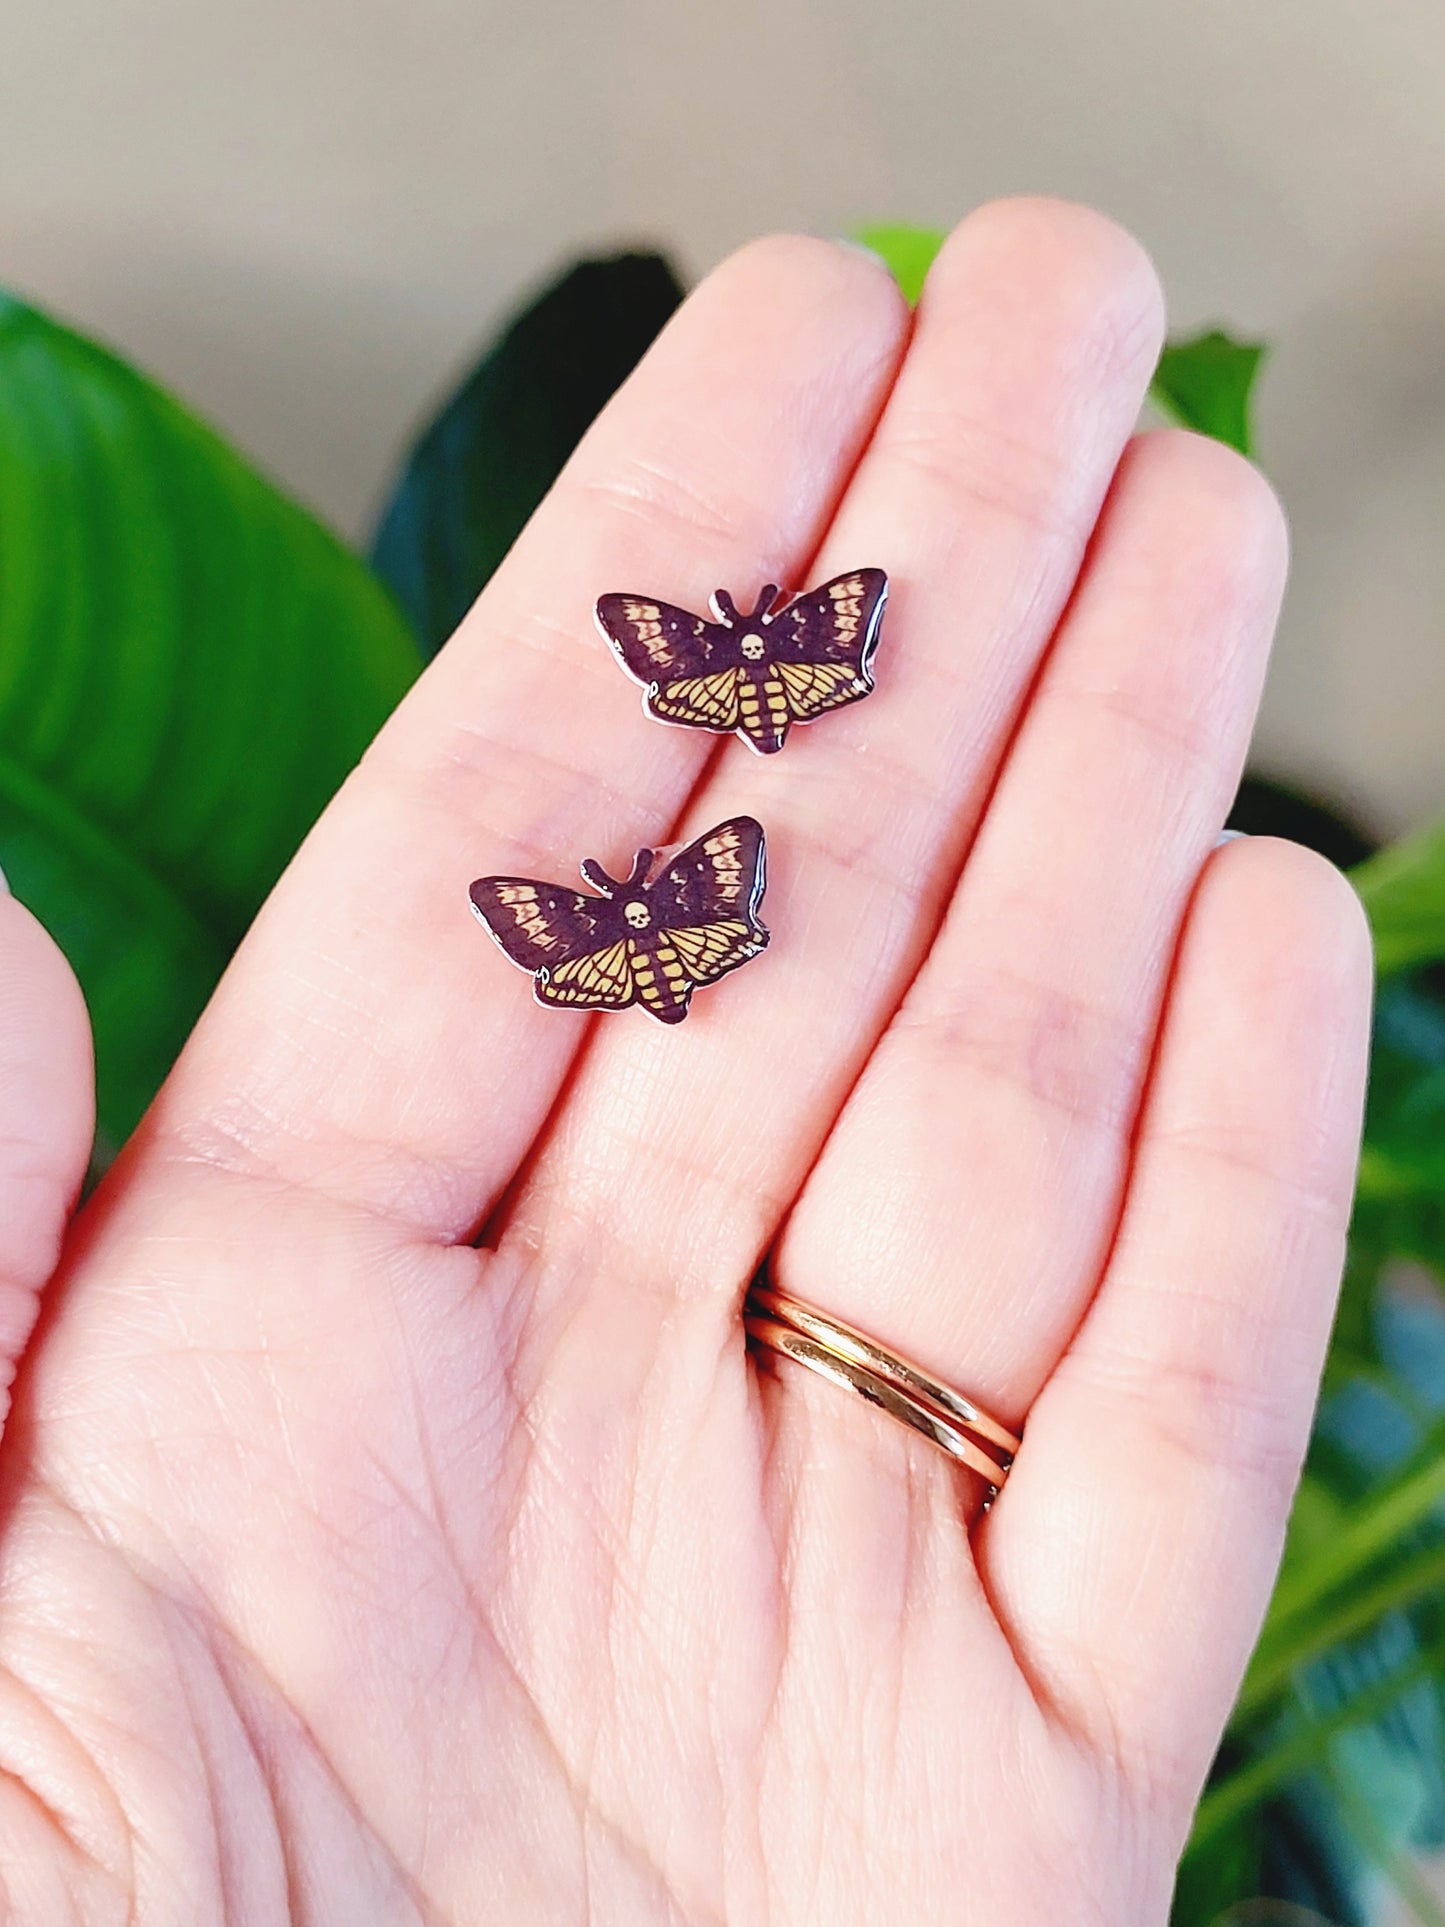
(658, 973)
(762, 707)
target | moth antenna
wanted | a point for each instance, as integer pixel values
(593, 873)
(724, 608)
(767, 596)
(641, 864)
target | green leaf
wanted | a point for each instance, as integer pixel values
(479, 470)
(1219, 1870)
(1206, 383)
(1303, 1743)
(1283, 1862)
(1400, 1200)
(1403, 891)
(1405, 1119)
(908, 251)
(189, 664)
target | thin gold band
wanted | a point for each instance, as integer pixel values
(903, 1389)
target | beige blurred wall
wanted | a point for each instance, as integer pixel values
(303, 214)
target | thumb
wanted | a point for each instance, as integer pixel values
(47, 1117)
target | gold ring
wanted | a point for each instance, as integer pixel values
(885, 1378)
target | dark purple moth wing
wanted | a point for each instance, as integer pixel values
(575, 945)
(541, 924)
(688, 667)
(822, 645)
(658, 642)
(706, 900)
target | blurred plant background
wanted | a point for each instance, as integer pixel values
(189, 665)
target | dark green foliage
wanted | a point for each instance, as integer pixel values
(1267, 808)
(481, 467)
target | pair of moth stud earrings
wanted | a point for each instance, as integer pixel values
(653, 939)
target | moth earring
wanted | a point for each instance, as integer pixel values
(635, 941)
(757, 674)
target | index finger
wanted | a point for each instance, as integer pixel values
(365, 1040)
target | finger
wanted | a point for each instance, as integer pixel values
(369, 1040)
(47, 1118)
(979, 489)
(985, 1147)
(1135, 1552)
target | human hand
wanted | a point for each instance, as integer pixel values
(354, 1574)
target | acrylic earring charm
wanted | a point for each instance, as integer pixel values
(757, 674)
(635, 941)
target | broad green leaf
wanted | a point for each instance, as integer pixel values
(908, 251)
(1206, 383)
(189, 664)
(1403, 891)
(481, 467)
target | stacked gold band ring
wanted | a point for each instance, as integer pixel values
(904, 1390)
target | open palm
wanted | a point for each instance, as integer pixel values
(396, 1528)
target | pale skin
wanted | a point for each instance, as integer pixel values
(355, 1573)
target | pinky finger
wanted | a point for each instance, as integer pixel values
(1137, 1545)
(47, 1116)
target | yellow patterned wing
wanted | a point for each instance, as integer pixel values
(710, 950)
(812, 687)
(602, 980)
(706, 702)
